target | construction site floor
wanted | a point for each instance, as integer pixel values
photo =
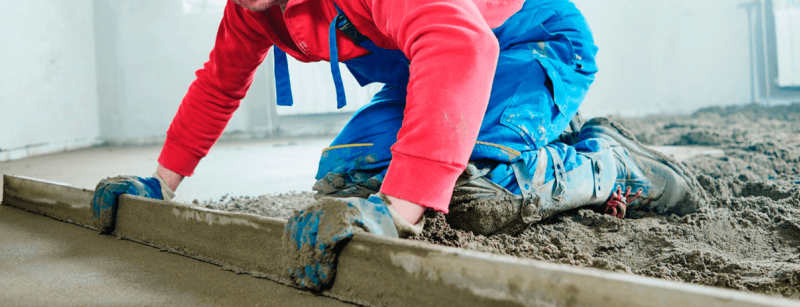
(249, 168)
(44, 262)
(236, 168)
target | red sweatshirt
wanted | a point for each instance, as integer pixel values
(453, 55)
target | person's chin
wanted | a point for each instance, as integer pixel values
(256, 6)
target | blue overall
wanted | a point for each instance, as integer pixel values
(544, 71)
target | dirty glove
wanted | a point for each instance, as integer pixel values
(312, 236)
(107, 192)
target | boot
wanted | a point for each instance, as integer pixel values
(486, 208)
(613, 162)
(360, 184)
(659, 183)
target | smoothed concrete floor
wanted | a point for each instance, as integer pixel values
(249, 168)
(682, 153)
(44, 262)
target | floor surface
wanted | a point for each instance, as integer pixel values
(236, 168)
(45, 262)
(233, 168)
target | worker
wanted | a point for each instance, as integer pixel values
(476, 97)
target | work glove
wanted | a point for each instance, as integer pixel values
(313, 237)
(107, 192)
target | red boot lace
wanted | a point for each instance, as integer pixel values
(617, 204)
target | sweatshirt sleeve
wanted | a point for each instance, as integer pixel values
(240, 47)
(453, 55)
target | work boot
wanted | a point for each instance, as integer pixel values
(616, 173)
(360, 184)
(483, 207)
(646, 179)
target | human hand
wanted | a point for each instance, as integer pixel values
(107, 192)
(168, 178)
(410, 212)
(312, 236)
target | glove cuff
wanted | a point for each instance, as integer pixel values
(166, 192)
(404, 228)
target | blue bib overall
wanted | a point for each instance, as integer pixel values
(544, 71)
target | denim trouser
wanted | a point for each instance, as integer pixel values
(544, 71)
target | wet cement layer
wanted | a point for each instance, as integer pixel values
(44, 262)
(747, 238)
(747, 159)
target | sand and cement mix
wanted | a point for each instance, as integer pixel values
(747, 239)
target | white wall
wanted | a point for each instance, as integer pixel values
(675, 56)
(656, 56)
(787, 24)
(75, 72)
(147, 54)
(48, 86)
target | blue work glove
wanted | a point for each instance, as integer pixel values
(313, 236)
(107, 192)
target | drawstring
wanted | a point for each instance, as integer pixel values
(283, 86)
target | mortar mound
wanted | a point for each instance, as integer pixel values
(748, 239)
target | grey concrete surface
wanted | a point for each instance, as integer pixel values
(685, 152)
(248, 168)
(44, 262)
(422, 274)
(235, 168)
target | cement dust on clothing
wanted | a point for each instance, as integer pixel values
(44, 262)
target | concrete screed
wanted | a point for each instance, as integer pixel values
(747, 159)
(235, 168)
(258, 168)
(45, 262)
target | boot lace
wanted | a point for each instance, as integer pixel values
(617, 204)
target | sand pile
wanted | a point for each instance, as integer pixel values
(759, 143)
(748, 239)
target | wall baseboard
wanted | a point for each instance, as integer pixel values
(10, 154)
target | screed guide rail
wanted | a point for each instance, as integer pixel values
(372, 270)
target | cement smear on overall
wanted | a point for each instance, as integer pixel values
(748, 239)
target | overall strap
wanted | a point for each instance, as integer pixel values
(347, 27)
(341, 100)
(342, 23)
(283, 86)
